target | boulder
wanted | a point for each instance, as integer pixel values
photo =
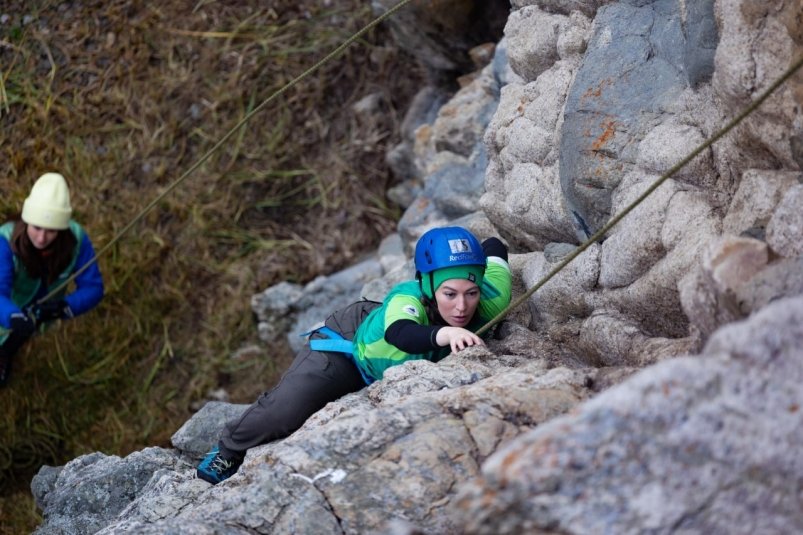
(704, 444)
(785, 229)
(89, 492)
(396, 450)
(631, 76)
(759, 192)
(201, 432)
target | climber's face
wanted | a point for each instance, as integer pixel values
(40, 237)
(457, 301)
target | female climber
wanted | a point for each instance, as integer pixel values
(460, 285)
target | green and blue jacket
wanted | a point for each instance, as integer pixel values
(373, 354)
(18, 290)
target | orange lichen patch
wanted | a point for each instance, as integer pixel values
(423, 133)
(509, 460)
(608, 130)
(448, 111)
(595, 92)
(488, 497)
(481, 55)
(467, 79)
(422, 203)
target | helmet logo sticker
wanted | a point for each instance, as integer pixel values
(459, 246)
(410, 309)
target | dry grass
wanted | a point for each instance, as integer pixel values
(122, 97)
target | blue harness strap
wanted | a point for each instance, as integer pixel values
(335, 342)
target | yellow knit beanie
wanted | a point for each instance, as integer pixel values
(48, 205)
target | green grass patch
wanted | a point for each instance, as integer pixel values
(122, 97)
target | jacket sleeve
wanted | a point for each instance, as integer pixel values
(89, 284)
(7, 306)
(412, 337)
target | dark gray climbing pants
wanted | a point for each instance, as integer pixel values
(314, 379)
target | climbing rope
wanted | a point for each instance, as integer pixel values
(618, 217)
(329, 57)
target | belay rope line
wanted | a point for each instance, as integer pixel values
(333, 54)
(339, 50)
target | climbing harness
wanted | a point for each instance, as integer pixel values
(335, 343)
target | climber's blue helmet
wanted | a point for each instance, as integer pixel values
(448, 253)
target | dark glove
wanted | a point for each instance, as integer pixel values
(494, 247)
(51, 310)
(22, 325)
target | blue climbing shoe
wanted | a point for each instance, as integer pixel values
(216, 468)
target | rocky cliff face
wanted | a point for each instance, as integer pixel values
(653, 385)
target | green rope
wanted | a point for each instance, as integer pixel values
(336, 52)
(618, 217)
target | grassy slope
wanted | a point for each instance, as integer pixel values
(122, 97)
